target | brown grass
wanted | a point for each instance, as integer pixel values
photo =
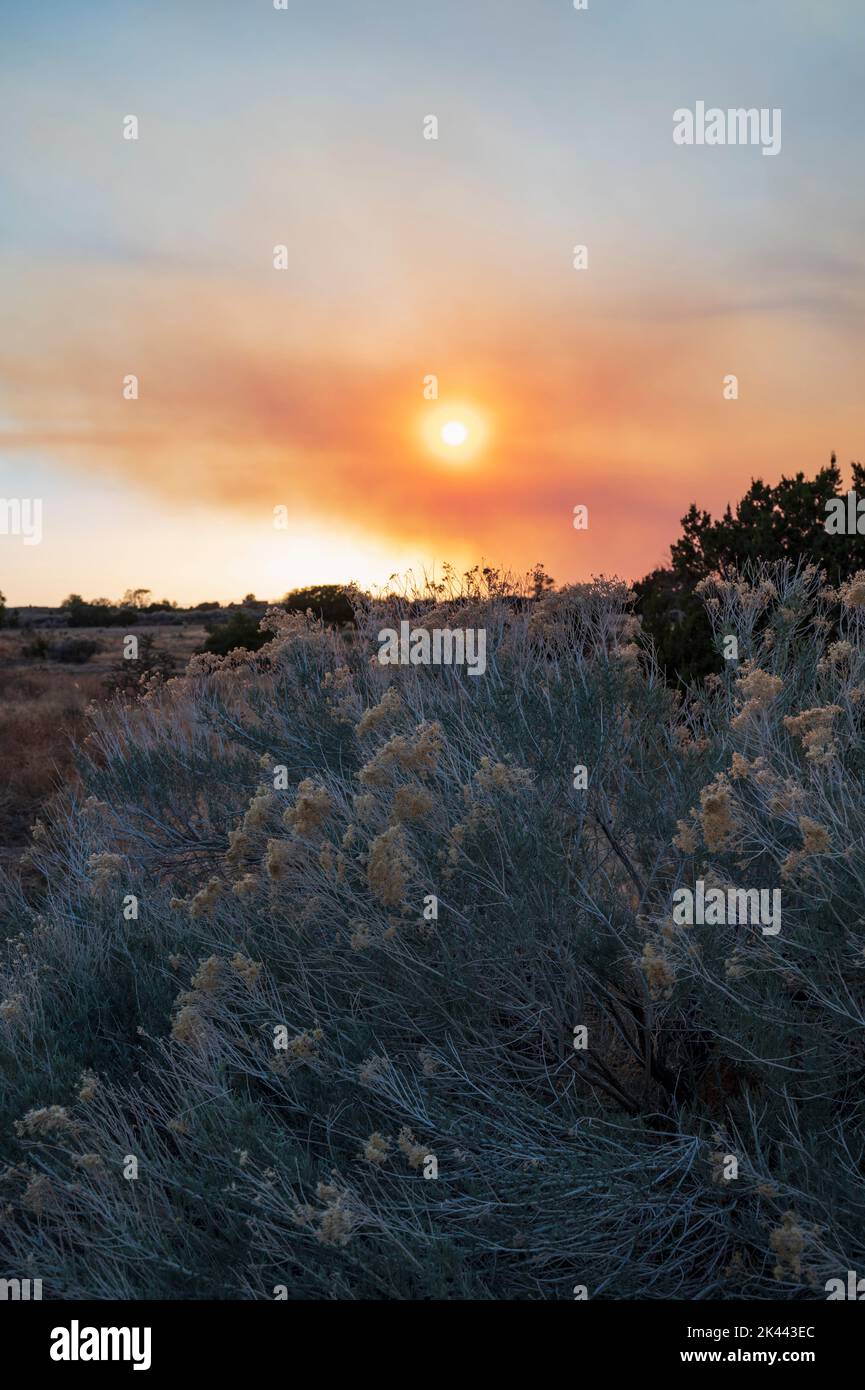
(42, 707)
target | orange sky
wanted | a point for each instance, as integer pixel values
(303, 388)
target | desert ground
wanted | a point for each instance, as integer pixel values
(42, 705)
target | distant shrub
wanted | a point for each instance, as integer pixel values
(73, 649)
(37, 649)
(406, 1011)
(241, 630)
(330, 602)
(129, 676)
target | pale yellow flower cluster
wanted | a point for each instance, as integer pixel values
(372, 1069)
(389, 867)
(787, 797)
(260, 809)
(106, 869)
(686, 837)
(415, 1153)
(788, 1242)
(331, 861)
(815, 840)
(280, 857)
(716, 813)
(239, 847)
(341, 683)
(853, 592)
(492, 777)
(39, 1194)
(814, 728)
(629, 653)
(88, 1086)
(389, 707)
(256, 818)
(51, 1119)
(418, 753)
(815, 837)
(303, 1047)
(312, 807)
(660, 972)
(336, 1222)
(756, 689)
(189, 1027)
(750, 598)
(203, 664)
(282, 622)
(840, 653)
(411, 802)
(203, 901)
(209, 975)
(376, 1149)
(248, 970)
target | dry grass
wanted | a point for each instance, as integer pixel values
(42, 706)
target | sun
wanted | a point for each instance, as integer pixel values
(454, 433)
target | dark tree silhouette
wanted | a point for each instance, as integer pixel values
(784, 522)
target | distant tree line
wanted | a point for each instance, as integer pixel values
(329, 602)
(784, 522)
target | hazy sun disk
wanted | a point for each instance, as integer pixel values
(454, 431)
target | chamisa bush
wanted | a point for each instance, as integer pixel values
(341, 980)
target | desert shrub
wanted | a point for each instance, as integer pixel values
(131, 676)
(74, 649)
(330, 602)
(374, 905)
(37, 649)
(242, 630)
(775, 523)
(71, 650)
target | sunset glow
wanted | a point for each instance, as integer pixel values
(303, 382)
(454, 433)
